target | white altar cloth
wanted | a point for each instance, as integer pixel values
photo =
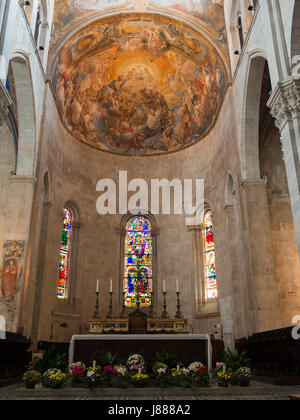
(146, 337)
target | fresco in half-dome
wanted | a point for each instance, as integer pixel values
(138, 85)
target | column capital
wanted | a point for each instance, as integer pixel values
(285, 102)
(5, 102)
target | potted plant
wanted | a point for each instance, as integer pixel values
(57, 380)
(77, 373)
(140, 380)
(224, 379)
(244, 376)
(31, 378)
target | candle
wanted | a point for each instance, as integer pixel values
(178, 368)
(164, 285)
(140, 371)
(97, 287)
(177, 286)
(111, 285)
(94, 364)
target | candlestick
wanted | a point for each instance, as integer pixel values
(96, 313)
(165, 314)
(179, 314)
(110, 313)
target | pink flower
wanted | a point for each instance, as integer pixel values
(110, 370)
(220, 365)
(77, 371)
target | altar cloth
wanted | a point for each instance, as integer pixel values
(171, 338)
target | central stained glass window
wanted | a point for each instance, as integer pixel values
(138, 262)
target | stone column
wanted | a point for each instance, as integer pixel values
(197, 259)
(285, 108)
(263, 288)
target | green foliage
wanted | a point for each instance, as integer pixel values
(109, 359)
(235, 360)
(51, 360)
(169, 359)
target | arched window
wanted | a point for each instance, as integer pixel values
(138, 264)
(209, 257)
(64, 256)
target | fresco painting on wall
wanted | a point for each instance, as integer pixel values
(11, 270)
(139, 87)
(209, 13)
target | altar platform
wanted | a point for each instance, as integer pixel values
(188, 347)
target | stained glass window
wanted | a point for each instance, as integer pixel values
(138, 262)
(64, 256)
(210, 257)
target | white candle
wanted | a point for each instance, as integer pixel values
(97, 287)
(177, 286)
(164, 285)
(94, 364)
(111, 285)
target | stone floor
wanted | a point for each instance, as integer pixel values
(274, 393)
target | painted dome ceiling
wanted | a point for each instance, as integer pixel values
(138, 84)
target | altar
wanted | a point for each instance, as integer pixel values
(188, 347)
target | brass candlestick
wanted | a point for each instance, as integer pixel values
(179, 314)
(123, 313)
(96, 313)
(165, 314)
(110, 313)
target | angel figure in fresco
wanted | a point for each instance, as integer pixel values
(10, 276)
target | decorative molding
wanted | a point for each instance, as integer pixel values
(19, 179)
(253, 182)
(285, 102)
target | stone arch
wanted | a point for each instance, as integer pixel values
(26, 115)
(295, 40)
(250, 160)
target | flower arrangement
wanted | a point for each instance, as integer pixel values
(31, 378)
(160, 369)
(136, 362)
(93, 376)
(121, 370)
(77, 372)
(194, 367)
(46, 377)
(57, 380)
(244, 376)
(140, 379)
(109, 370)
(224, 379)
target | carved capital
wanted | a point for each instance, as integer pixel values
(285, 102)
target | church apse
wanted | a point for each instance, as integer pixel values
(139, 84)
